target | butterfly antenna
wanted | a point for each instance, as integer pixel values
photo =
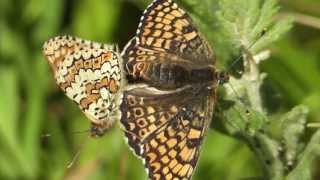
(236, 61)
(250, 46)
(78, 152)
(47, 135)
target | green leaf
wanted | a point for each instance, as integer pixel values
(303, 170)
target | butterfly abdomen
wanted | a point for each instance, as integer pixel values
(170, 76)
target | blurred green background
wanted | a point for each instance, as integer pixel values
(31, 105)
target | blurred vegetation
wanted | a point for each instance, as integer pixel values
(31, 105)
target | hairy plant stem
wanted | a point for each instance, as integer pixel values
(253, 80)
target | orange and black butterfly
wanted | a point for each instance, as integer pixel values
(89, 73)
(168, 105)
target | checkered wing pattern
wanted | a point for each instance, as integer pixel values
(89, 73)
(166, 42)
(166, 129)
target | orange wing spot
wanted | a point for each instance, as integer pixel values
(150, 110)
(152, 127)
(149, 18)
(173, 163)
(171, 132)
(157, 177)
(132, 126)
(64, 86)
(146, 32)
(151, 119)
(162, 138)
(167, 27)
(152, 157)
(169, 176)
(183, 172)
(174, 109)
(176, 13)
(113, 86)
(194, 134)
(172, 153)
(85, 102)
(158, 19)
(79, 64)
(167, 9)
(159, 43)
(155, 166)
(87, 64)
(167, 44)
(169, 16)
(187, 154)
(162, 150)
(160, 14)
(177, 168)
(97, 63)
(104, 83)
(166, 3)
(171, 143)
(159, 26)
(190, 171)
(152, 12)
(165, 160)
(89, 87)
(106, 57)
(159, 7)
(167, 35)
(179, 24)
(163, 119)
(191, 35)
(154, 143)
(166, 21)
(69, 78)
(149, 40)
(72, 70)
(157, 33)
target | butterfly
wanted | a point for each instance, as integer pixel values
(168, 105)
(89, 73)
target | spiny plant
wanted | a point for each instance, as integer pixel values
(248, 28)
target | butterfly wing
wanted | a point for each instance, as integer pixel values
(166, 129)
(166, 27)
(166, 48)
(89, 74)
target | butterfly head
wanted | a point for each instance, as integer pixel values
(97, 130)
(222, 77)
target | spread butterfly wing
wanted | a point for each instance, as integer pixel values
(166, 129)
(166, 27)
(167, 44)
(157, 68)
(88, 73)
(145, 110)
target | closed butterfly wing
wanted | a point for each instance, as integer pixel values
(90, 74)
(166, 128)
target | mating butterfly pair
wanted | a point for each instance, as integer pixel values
(167, 105)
